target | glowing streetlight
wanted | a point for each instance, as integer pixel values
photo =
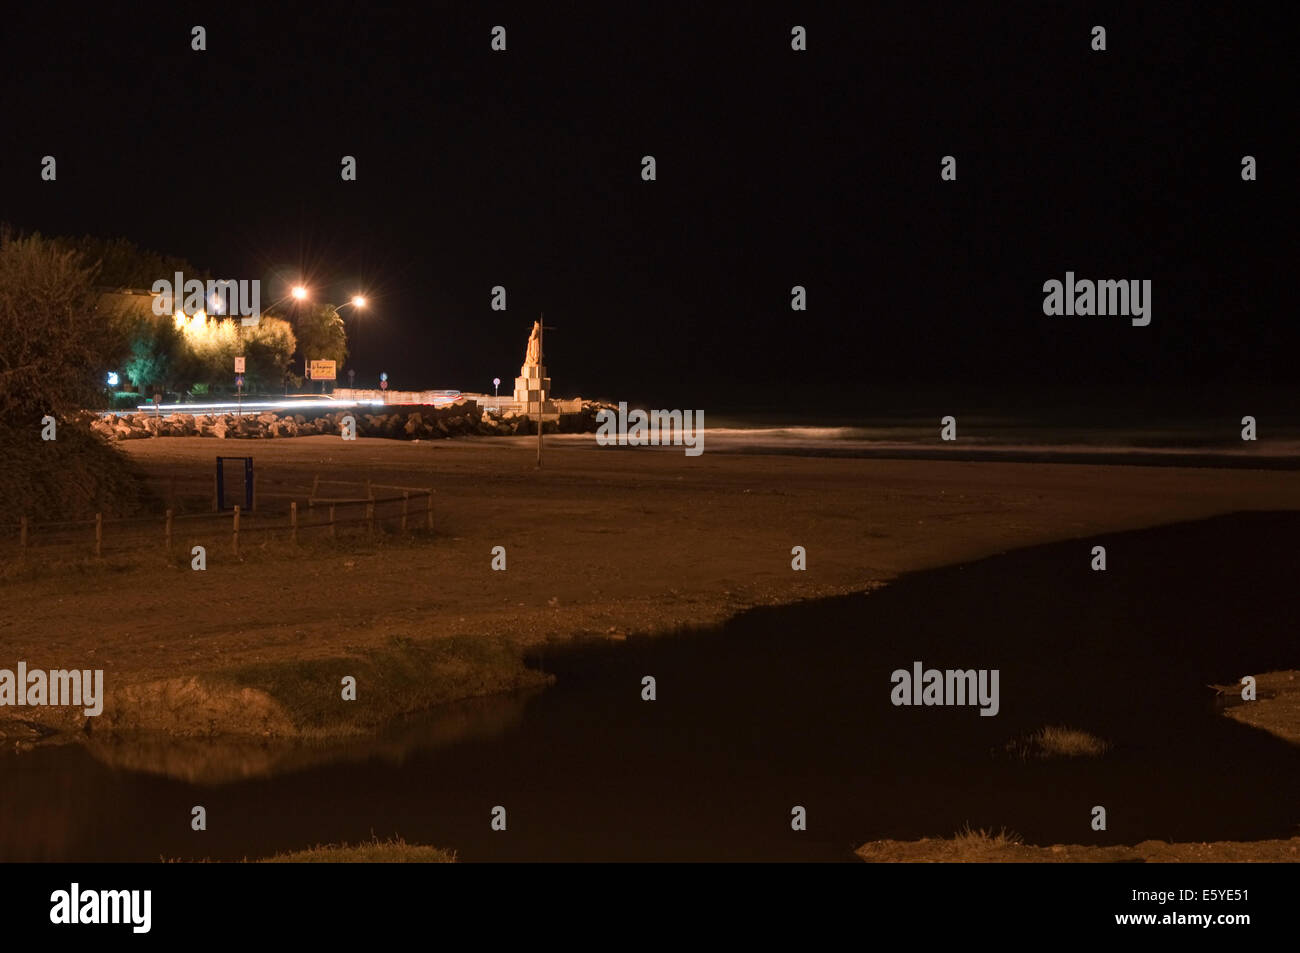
(299, 292)
(358, 302)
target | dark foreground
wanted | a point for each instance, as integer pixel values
(789, 707)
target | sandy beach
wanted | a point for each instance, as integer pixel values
(601, 542)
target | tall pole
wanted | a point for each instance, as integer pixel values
(239, 387)
(541, 365)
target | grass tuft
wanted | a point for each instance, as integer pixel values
(969, 837)
(1058, 741)
(374, 851)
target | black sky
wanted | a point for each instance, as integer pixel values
(775, 168)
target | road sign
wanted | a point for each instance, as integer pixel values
(239, 381)
(239, 365)
(321, 371)
(383, 385)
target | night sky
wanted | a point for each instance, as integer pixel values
(775, 168)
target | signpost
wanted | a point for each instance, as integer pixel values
(239, 383)
(383, 381)
(321, 371)
(496, 383)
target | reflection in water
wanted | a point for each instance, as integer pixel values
(202, 761)
(780, 707)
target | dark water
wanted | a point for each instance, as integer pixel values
(785, 707)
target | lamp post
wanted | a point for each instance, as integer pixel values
(301, 293)
(358, 302)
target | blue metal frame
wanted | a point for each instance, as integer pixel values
(248, 483)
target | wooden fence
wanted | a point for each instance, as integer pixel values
(403, 509)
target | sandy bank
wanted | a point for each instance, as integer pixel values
(599, 543)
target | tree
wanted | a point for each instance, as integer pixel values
(321, 335)
(123, 264)
(156, 355)
(269, 349)
(55, 347)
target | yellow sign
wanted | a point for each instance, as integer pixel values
(321, 371)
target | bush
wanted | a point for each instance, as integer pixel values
(71, 478)
(54, 348)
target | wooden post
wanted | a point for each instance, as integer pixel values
(406, 499)
(331, 521)
(22, 536)
(236, 533)
(429, 497)
(99, 534)
(370, 517)
(168, 532)
(293, 521)
(315, 484)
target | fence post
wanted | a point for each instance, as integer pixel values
(99, 534)
(331, 521)
(370, 517)
(293, 521)
(236, 534)
(406, 499)
(429, 497)
(168, 532)
(22, 536)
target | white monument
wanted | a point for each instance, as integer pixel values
(532, 386)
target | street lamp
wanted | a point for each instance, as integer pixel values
(358, 302)
(301, 293)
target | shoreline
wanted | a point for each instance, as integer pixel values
(602, 544)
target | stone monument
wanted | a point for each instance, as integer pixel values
(532, 386)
